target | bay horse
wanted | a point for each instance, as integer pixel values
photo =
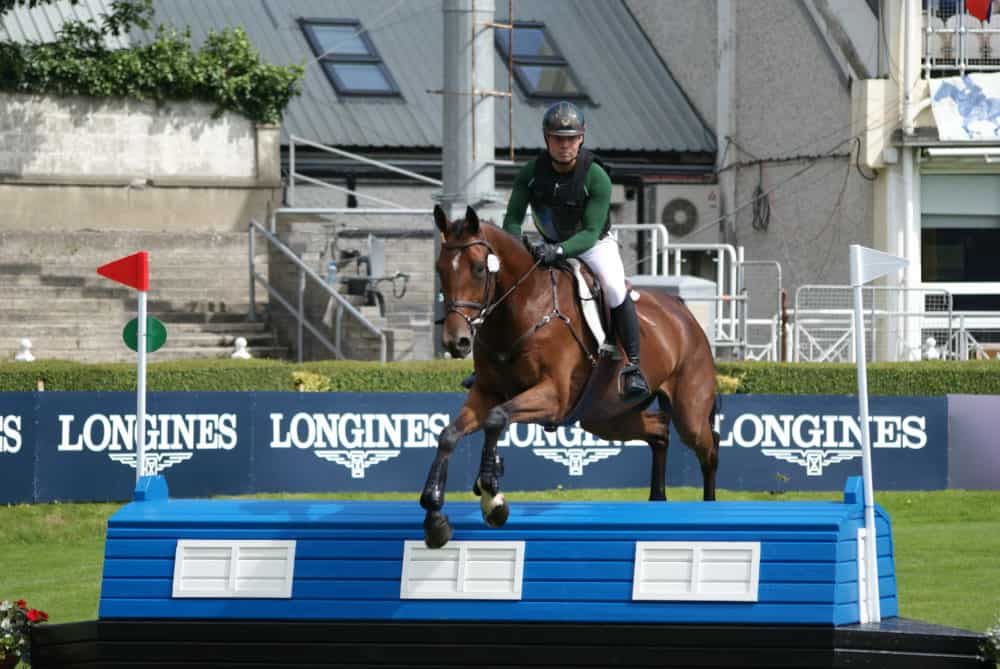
(532, 368)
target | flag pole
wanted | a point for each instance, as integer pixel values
(140, 400)
(871, 554)
(133, 271)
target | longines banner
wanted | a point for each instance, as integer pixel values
(79, 446)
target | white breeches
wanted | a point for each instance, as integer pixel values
(606, 262)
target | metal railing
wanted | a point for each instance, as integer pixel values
(971, 335)
(824, 322)
(733, 320)
(768, 322)
(730, 322)
(306, 273)
(294, 176)
(659, 240)
(954, 40)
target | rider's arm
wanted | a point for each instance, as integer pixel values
(594, 215)
(518, 203)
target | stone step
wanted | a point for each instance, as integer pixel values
(114, 329)
(191, 268)
(127, 303)
(190, 275)
(173, 294)
(9, 317)
(126, 355)
(104, 340)
(51, 294)
(116, 244)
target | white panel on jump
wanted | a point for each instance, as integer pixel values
(463, 570)
(708, 571)
(238, 569)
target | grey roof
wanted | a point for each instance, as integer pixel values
(42, 23)
(636, 104)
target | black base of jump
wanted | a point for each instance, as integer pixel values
(168, 644)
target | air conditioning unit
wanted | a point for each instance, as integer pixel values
(690, 211)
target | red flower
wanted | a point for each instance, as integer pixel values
(34, 615)
(20, 603)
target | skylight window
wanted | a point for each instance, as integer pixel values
(539, 68)
(349, 58)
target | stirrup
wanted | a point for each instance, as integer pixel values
(635, 378)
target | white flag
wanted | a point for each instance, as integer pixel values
(868, 264)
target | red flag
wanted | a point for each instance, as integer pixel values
(981, 9)
(131, 270)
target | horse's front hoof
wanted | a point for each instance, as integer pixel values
(437, 530)
(496, 512)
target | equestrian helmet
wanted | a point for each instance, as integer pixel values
(564, 119)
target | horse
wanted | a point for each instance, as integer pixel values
(533, 357)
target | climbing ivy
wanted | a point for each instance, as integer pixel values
(226, 71)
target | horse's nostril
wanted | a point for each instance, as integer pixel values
(464, 343)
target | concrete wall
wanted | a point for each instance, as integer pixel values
(792, 106)
(78, 163)
(683, 33)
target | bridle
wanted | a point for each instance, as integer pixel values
(487, 306)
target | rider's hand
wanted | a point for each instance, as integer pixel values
(546, 253)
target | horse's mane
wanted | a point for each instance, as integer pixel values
(488, 228)
(498, 230)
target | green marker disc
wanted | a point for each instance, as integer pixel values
(156, 334)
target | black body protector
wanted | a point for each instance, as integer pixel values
(559, 200)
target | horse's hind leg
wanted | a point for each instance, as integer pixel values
(653, 428)
(694, 425)
(658, 476)
(660, 449)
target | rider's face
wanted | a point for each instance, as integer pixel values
(563, 149)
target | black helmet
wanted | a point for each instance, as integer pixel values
(563, 118)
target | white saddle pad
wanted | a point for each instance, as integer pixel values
(589, 304)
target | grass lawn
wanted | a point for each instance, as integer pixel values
(947, 549)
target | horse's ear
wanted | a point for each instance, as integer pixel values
(441, 219)
(472, 220)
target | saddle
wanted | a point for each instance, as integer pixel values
(597, 316)
(594, 306)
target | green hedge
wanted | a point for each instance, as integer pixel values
(922, 378)
(903, 378)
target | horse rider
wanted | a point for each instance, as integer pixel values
(570, 195)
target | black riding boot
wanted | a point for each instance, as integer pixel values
(633, 384)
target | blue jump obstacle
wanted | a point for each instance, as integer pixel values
(794, 563)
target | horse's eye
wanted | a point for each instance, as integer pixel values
(478, 269)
